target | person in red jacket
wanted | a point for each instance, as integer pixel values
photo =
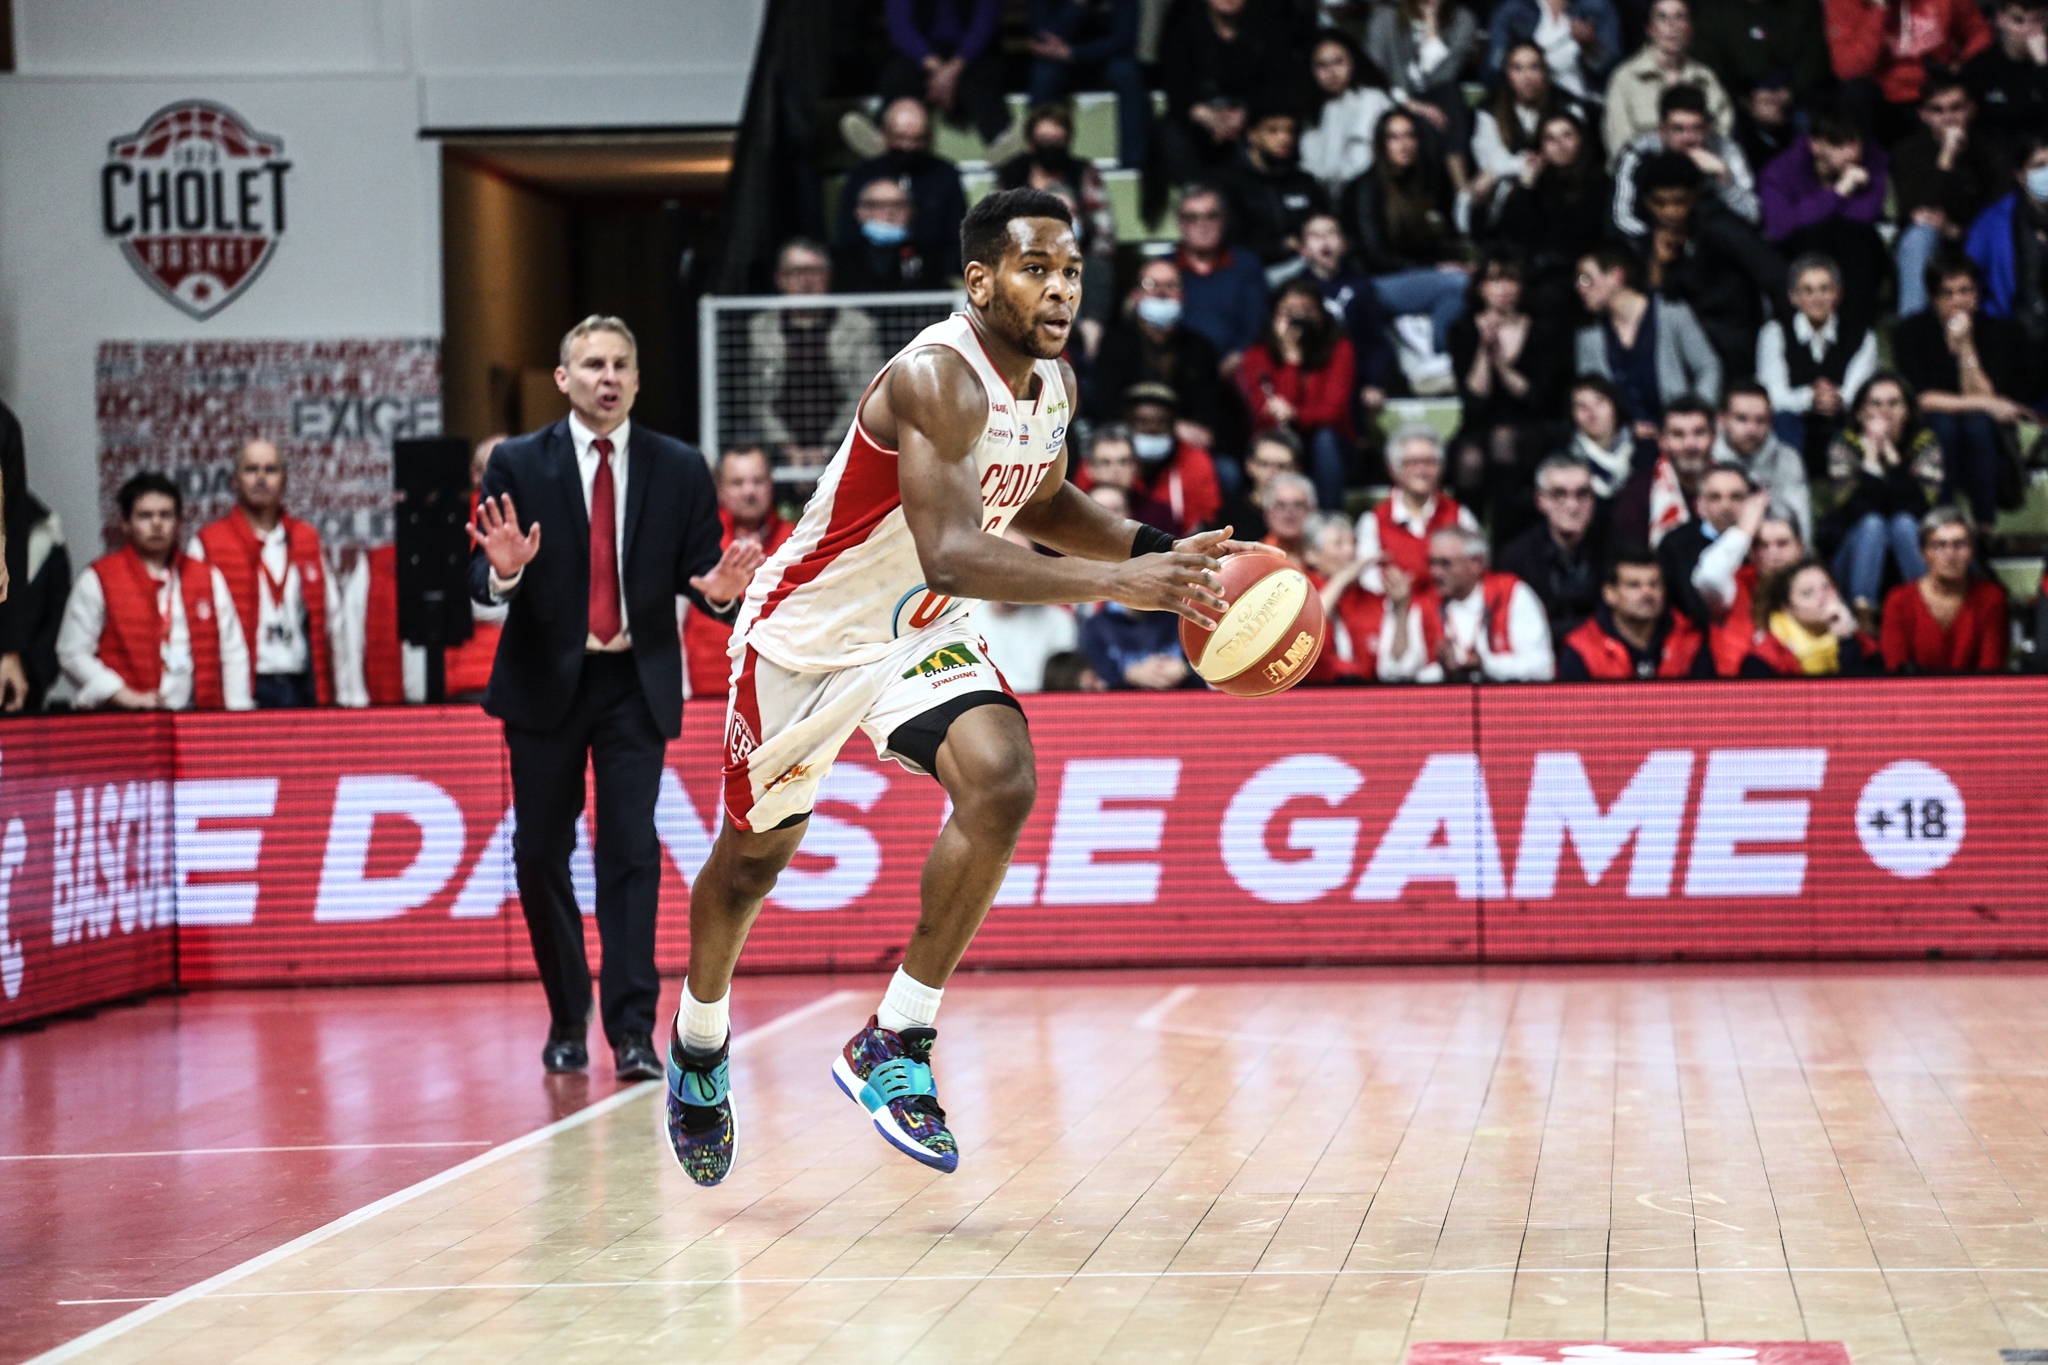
(1170, 470)
(1351, 653)
(1396, 533)
(1805, 630)
(147, 628)
(1946, 621)
(1633, 633)
(746, 509)
(1299, 376)
(1882, 49)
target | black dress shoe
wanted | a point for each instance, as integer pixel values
(637, 1059)
(564, 1054)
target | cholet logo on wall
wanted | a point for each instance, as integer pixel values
(196, 199)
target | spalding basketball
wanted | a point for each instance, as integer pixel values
(1269, 637)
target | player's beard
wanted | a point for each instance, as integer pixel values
(1020, 329)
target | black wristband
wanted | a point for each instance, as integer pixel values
(1150, 540)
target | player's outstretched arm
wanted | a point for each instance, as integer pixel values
(938, 409)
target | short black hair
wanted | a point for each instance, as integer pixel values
(1836, 128)
(148, 481)
(1609, 257)
(1681, 99)
(1632, 556)
(1945, 266)
(985, 231)
(1744, 388)
(1690, 405)
(1668, 171)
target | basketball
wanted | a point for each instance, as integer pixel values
(1268, 639)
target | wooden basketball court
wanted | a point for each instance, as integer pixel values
(1283, 1166)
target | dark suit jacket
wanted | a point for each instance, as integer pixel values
(672, 533)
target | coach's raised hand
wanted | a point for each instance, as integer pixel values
(496, 528)
(728, 578)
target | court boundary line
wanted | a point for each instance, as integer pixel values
(149, 1312)
(237, 1151)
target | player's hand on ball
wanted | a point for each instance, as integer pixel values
(1183, 582)
(729, 577)
(496, 528)
(1218, 543)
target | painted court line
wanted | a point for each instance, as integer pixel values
(1173, 1000)
(233, 1151)
(128, 1322)
(747, 1281)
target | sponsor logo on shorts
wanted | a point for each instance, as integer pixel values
(739, 739)
(944, 660)
(1282, 667)
(795, 772)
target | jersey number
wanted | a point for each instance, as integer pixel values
(930, 609)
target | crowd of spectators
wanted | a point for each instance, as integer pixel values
(1739, 309)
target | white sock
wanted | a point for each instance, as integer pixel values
(702, 1026)
(909, 1004)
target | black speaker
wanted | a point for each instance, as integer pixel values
(432, 477)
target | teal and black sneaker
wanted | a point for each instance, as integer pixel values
(699, 1119)
(890, 1076)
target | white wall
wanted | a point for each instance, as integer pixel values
(349, 85)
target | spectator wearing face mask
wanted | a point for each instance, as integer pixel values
(926, 219)
(1150, 342)
(1021, 638)
(1634, 635)
(1112, 462)
(1269, 194)
(1396, 533)
(1473, 625)
(882, 256)
(1808, 364)
(1325, 259)
(1886, 469)
(1723, 492)
(1764, 540)
(1337, 145)
(1949, 621)
(1563, 557)
(1658, 500)
(1355, 615)
(1946, 174)
(1048, 161)
(1093, 45)
(1170, 469)
(1744, 438)
(1289, 502)
(1804, 630)
(2009, 243)
(1603, 440)
(1299, 376)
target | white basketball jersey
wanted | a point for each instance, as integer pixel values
(846, 587)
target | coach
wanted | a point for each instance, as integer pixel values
(589, 665)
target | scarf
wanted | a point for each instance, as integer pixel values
(1668, 511)
(1611, 468)
(1819, 654)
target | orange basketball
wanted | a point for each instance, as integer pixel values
(1269, 638)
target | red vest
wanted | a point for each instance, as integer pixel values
(1497, 590)
(1407, 551)
(383, 654)
(705, 638)
(1608, 658)
(232, 547)
(1732, 632)
(132, 640)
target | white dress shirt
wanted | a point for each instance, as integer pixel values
(281, 646)
(1773, 373)
(1528, 658)
(1415, 523)
(586, 465)
(85, 619)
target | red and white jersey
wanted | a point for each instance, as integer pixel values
(846, 587)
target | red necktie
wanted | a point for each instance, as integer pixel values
(604, 548)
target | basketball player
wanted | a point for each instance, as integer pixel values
(860, 622)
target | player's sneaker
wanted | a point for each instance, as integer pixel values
(699, 1119)
(890, 1075)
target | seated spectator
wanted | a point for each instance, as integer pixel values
(1354, 615)
(1337, 145)
(1048, 162)
(1886, 469)
(1825, 195)
(2007, 242)
(1945, 175)
(1699, 254)
(1214, 58)
(1022, 638)
(1557, 214)
(1326, 259)
(147, 628)
(1603, 440)
(2008, 80)
(1506, 131)
(1652, 350)
(1170, 468)
(1763, 540)
(1070, 671)
(1224, 290)
(1658, 500)
(1968, 369)
(1512, 370)
(1764, 128)
(1269, 194)
(1423, 45)
(1403, 220)
(1289, 501)
(1744, 438)
(928, 214)
(1580, 41)
(1152, 343)
(1636, 90)
(1130, 649)
(1274, 453)
(1079, 45)
(1723, 492)
(1804, 630)
(746, 510)
(1112, 462)
(1563, 557)
(1882, 53)
(1948, 621)
(882, 256)
(1396, 533)
(1746, 42)
(1477, 625)
(1682, 127)
(1633, 634)
(811, 365)
(943, 53)
(1299, 377)
(1809, 364)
